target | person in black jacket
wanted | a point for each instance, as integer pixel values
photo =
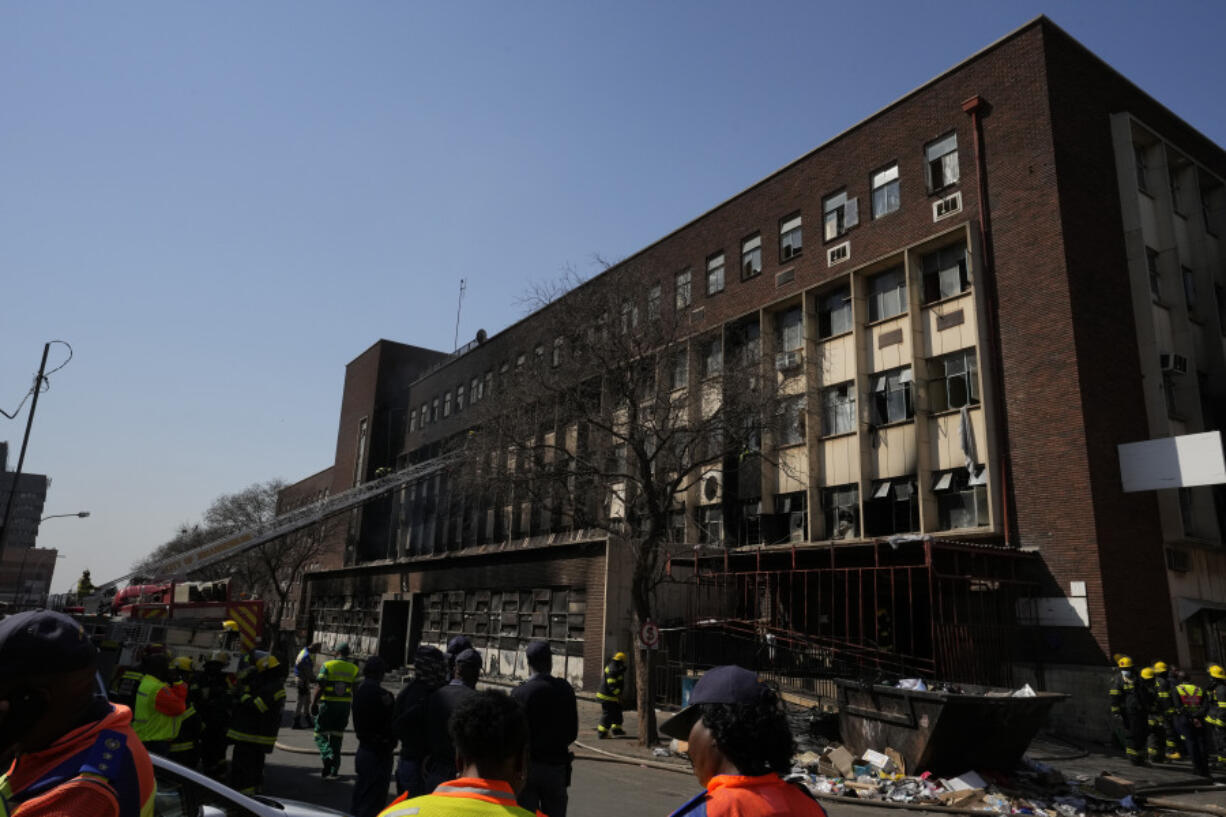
(373, 711)
(439, 765)
(553, 724)
(429, 673)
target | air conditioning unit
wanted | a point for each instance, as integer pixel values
(946, 206)
(1168, 362)
(788, 360)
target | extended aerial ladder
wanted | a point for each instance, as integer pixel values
(231, 545)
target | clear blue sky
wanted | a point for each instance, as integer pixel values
(220, 204)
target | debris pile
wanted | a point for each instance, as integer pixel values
(1032, 789)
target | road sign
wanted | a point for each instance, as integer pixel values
(649, 635)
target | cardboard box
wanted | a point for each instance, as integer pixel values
(900, 765)
(960, 798)
(842, 760)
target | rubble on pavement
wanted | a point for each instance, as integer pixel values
(1032, 789)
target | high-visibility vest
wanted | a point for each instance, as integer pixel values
(1190, 696)
(338, 677)
(148, 723)
(464, 797)
(107, 761)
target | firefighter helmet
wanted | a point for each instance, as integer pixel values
(1160, 667)
(1216, 671)
(1147, 673)
(230, 624)
(182, 663)
(266, 662)
(1124, 662)
(619, 656)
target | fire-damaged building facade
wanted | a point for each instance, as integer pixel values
(973, 297)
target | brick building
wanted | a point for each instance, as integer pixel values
(974, 296)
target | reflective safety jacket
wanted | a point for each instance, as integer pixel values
(1191, 700)
(257, 717)
(187, 726)
(462, 797)
(337, 677)
(1216, 714)
(612, 682)
(157, 707)
(100, 770)
(304, 665)
(1162, 704)
(123, 688)
(1127, 695)
(767, 795)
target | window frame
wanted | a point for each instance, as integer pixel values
(942, 384)
(937, 160)
(683, 283)
(712, 350)
(792, 420)
(790, 329)
(838, 416)
(655, 297)
(887, 389)
(840, 211)
(833, 511)
(791, 237)
(934, 266)
(825, 320)
(875, 505)
(959, 483)
(751, 256)
(713, 268)
(876, 296)
(891, 184)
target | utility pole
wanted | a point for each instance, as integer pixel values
(455, 344)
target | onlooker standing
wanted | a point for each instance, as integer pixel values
(429, 673)
(440, 751)
(66, 749)
(373, 712)
(456, 645)
(740, 745)
(335, 689)
(304, 674)
(553, 724)
(491, 736)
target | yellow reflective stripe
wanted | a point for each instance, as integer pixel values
(279, 695)
(602, 697)
(247, 737)
(184, 746)
(260, 705)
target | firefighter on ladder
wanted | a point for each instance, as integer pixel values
(1130, 710)
(610, 696)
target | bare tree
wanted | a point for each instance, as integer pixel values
(617, 411)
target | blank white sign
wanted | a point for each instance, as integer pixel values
(1173, 462)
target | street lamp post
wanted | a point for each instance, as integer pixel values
(19, 591)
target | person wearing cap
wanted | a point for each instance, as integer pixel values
(304, 673)
(610, 696)
(65, 748)
(213, 697)
(158, 705)
(740, 745)
(257, 719)
(183, 746)
(374, 710)
(490, 734)
(334, 688)
(429, 673)
(440, 765)
(456, 645)
(553, 723)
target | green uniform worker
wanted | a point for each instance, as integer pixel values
(334, 688)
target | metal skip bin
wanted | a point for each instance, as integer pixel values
(945, 733)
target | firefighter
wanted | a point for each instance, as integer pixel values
(334, 688)
(1154, 743)
(123, 687)
(158, 705)
(183, 746)
(1190, 706)
(214, 702)
(1216, 716)
(1166, 706)
(610, 696)
(257, 718)
(304, 674)
(1130, 710)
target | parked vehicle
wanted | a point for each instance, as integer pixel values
(183, 792)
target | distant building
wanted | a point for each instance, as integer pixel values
(25, 571)
(975, 296)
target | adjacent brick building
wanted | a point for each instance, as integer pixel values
(976, 294)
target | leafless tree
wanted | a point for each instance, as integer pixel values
(618, 410)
